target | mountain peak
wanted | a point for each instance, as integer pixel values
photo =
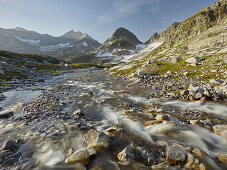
(20, 29)
(124, 34)
(73, 35)
(122, 30)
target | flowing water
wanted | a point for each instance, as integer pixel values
(106, 102)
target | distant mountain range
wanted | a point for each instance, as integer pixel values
(21, 40)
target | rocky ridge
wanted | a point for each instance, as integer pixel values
(193, 49)
(20, 40)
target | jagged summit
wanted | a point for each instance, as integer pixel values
(124, 34)
(20, 29)
(194, 26)
(122, 42)
(71, 43)
(74, 35)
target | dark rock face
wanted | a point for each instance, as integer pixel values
(11, 152)
(154, 38)
(122, 39)
(6, 115)
(124, 34)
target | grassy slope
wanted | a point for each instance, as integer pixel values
(210, 45)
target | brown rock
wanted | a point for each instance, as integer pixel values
(162, 117)
(126, 155)
(219, 129)
(96, 140)
(200, 153)
(152, 122)
(222, 158)
(81, 155)
(176, 154)
(112, 131)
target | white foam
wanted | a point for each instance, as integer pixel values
(113, 117)
(50, 155)
(214, 108)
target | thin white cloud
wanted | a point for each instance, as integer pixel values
(123, 8)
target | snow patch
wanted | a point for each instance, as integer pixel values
(143, 50)
(106, 54)
(54, 47)
(140, 47)
(29, 41)
(85, 44)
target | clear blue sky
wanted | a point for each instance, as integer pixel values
(98, 18)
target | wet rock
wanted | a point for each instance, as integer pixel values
(200, 153)
(79, 112)
(152, 122)
(9, 146)
(191, 162)
(184, 92)
(82, 155)
(103, 164)
(142, 155)
(112, 131)
(26, 150)
(162, 166)
(30, 164)
(198, 95)
(126, 155)
(2, 97)
(138, 154)
(6, 115)
(4, 154)
(41, 80)
(220, 129)
(9, 162)
(96, 140)
(162, 117)
(176, 155)
(206, 123)
(222, 158)
(195, 122)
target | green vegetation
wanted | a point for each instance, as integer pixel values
(25, 58)
(86, 65)
(123, 73)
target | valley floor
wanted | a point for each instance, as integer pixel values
(89, 119)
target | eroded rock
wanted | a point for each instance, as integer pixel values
(176, 154)
(126, 155)
(81, 155)
(95, 139)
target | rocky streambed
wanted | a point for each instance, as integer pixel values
(89, 119)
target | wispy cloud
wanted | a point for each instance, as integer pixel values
(123, 8)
